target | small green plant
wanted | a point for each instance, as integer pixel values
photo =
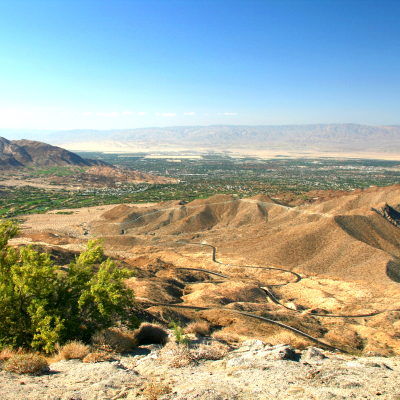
(178, 333)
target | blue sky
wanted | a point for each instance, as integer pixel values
(107, 64)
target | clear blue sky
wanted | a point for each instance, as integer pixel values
(106, 64)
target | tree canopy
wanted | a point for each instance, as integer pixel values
(41, 305)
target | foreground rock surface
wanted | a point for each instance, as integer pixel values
(254, 370)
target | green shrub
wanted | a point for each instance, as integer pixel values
(178, 333)
(41, 306)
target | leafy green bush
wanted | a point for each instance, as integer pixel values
(40, 305)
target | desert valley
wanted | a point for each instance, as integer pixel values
(315, 270)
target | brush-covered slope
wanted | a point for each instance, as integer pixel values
(341, 237)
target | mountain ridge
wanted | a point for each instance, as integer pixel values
(326, 135)
(310, 133)
(24, 153)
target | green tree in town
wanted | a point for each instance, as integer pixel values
(41, 305)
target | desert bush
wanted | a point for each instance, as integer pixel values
(114, 340)
(7, 353)
(176, 355)
(213, 351)
(153, 390)
(96, 357)
(28, 363)
(199, 328)
(55, 307)
(150, 333)
(73, 350)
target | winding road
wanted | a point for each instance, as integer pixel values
(269, 293)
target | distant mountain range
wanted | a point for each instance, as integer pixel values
(26, 153)
(327, 136)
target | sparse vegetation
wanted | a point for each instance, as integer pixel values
(213, 351)
(176, 355)
(201, 328)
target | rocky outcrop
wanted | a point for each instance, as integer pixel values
(392, 215)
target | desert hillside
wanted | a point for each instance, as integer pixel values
(24, 153)
(341, 237)
(252, 268)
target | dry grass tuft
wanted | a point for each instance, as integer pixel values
(97, 357)
(7, 353)
(28, 363)
(226, 337)
(73, 350)
(151, 334)
(176, 355)
(287, 337)
(202, 328)
(114, 340)
(153, 390)
(213, 351)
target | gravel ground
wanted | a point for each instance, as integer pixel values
(253, 371)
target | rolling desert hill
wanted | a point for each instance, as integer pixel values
(329, 269)
(341, 237)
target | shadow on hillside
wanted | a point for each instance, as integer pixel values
(393, 270)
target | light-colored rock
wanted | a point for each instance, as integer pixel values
(313, 355)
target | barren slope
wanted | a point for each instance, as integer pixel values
(341, 237)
